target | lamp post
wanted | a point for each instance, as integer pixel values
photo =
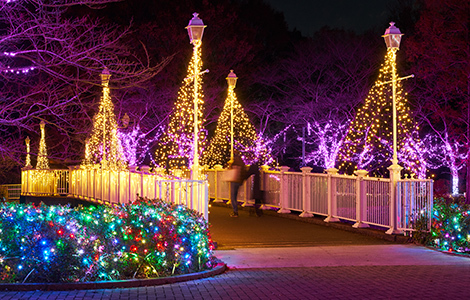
(232, 82)
(105, 75)
(392, 38)
(195, 31)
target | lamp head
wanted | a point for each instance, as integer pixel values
(392, 36)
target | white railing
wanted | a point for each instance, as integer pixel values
(414, 203)
(363, 200)
(115, 187)
(11, 191)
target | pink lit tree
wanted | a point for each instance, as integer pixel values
(50, 64)
(440, 59)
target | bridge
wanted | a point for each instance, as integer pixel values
(366, 201)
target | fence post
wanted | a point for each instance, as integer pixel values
(361, 200)
(283, 193)
(331, 196)
(217, 169)
(306, 193)
(394, 177)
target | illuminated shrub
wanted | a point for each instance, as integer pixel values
(140, 240)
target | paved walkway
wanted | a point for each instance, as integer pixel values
(356, 270)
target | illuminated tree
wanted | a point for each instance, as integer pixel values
(49, 62)
(43, 161)
(326, 139)
(104, 147)
(245, 139)
(368, 144)
(443, 152)
(440, 59)
(175, 147)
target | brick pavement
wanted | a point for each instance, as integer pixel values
(357, 282)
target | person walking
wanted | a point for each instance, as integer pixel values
(257, 191)
(236, 182)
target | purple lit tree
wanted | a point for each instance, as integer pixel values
(326, 140)
(321, 83)
(440, 59)
(442, 152)
(50, 65)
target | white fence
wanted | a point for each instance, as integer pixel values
(363, 200)
(115, 187)
(10, 191)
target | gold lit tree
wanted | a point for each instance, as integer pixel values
(369, 142)
(175, 147)
(43, 162)
(104, 147)
(245, 138)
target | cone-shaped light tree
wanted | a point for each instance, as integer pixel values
(43, 161)
(383, 131)
(104, 147)
(184, 139)
(235, 132)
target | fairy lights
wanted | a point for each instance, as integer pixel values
(28, 156)
(176, 147)
(328, 140)
(246, 140)
(368, 143)
(450, 230)
(104, 146)
(442, 152)
(43, 162)
(141, 240)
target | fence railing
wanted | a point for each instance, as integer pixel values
(115, 187)
(361, 199)
(10, 191)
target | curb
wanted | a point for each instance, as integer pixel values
(343, 225)
(220, 268)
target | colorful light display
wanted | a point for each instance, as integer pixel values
(250, 145)
(104, 146)
(368, 144)
(140, 240)
(43, 161)
(450, 229)
(175, 147)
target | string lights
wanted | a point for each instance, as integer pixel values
(175, 150)
(43, 162)
(245, 139)
(144, 239)
(368, 143)
(104, 146)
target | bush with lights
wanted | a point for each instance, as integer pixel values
(450, 229)
(145, 239)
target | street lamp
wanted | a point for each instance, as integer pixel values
(195, 31)
(232, 82)
(392, 38)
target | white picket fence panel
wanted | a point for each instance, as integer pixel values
(116, 187)
(361, 199)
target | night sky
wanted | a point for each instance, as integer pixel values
(310, 15)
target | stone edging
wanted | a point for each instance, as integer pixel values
(218, 269)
